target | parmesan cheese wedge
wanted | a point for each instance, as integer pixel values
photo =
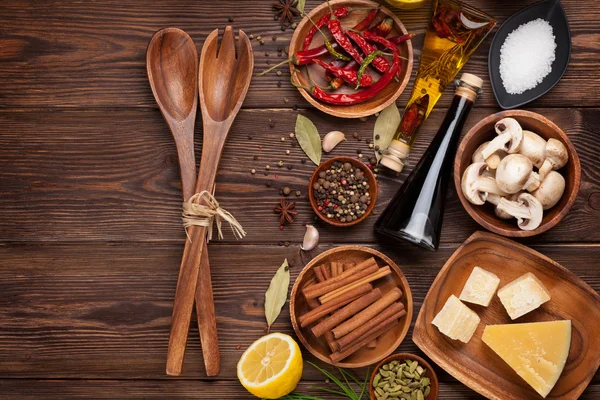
(456, 320)
(537, 351)
(480, 287)
(523, 295)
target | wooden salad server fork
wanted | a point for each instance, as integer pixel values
(172, 67)
(223, 82)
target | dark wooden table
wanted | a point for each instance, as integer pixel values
(90, 229)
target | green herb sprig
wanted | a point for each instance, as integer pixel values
(344, 387)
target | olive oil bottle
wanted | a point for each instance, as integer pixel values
(454, 33)
(416, 211)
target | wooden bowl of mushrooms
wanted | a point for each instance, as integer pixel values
(517, 173)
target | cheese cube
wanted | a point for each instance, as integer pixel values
(480, 287)
(537, 351)
(523, 295)
(456, 320)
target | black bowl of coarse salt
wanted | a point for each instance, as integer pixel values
(530, 53)
(342, 191)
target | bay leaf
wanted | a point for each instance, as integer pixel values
(300, 5)
(386, 126)
(308, 138)
(277, 293)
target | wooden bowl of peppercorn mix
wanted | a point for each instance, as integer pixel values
(371, 103)
(359, 191)
(383, 321)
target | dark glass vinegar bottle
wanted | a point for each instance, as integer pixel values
(416, 211)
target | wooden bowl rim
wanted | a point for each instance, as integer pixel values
(573, 157)
(370, 178)
(434, 383)
(338, 111)
(407, 321)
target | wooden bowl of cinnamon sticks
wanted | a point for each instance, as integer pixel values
(351, 306)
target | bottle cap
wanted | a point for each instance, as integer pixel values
(395, 155)
(472, 80)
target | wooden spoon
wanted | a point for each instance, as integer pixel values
(223, 83)
(172, 67)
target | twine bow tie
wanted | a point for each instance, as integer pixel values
(202, 209)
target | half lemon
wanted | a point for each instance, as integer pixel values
(271, 367)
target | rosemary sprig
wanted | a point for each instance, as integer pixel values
(345, 389)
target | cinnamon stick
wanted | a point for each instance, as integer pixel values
(340, 301)
(340, 268)
(346, 312)
(314, 303)
(367, 314)
(347, 266)
(372, 344)
(364, 340)
(376, 274)
(385, 315)
(339, 281)
(319, 273)
(334, 269)
(326, 273)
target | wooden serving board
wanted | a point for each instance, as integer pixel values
(474, 363)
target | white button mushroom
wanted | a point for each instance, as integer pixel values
(527, 209)
(510, 136)
(533, 147)
(515, 173)
(556, 157)
(476, 187)
(551, 190)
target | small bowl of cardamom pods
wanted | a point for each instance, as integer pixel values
(403, 376)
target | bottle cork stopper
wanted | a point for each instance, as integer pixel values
(472, 80)
(396, 154)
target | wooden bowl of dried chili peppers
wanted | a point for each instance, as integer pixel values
(353, 64)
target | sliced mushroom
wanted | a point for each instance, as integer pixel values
(476, 187)
(492, 161)
(556, 157)
(515, 173)
(533, 147)
(527, 210)
(510, 136)
(551, 190)
(495, 200)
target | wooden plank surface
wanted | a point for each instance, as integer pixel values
(100, 176)
(90, 230)
(103, 310)
(94, 55)
(18, 389)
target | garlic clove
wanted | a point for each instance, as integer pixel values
(332, 139)
(311, 238)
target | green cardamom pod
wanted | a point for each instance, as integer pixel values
(427, 391)
(420, 395)
(376, 379)
(413, 366)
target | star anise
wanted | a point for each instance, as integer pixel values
(285, 10)
(286, 211)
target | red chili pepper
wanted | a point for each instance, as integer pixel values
(335, 27)
(380, 63)
(336, 82)
(366, 22)
(340, 13)
(354, 98)
(401, 39)
(349, 76)
(303, 57)
(383, 28)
